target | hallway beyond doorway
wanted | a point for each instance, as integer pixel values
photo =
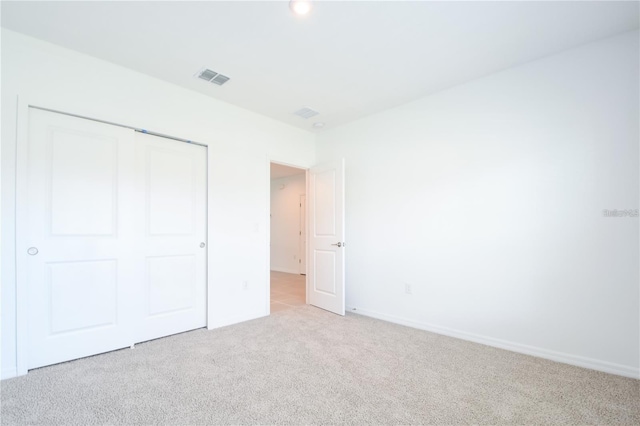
(287, 291)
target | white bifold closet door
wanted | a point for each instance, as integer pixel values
(114, 225)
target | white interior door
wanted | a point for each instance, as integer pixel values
(326, 237)
(172, 235)
(114, 240)
(80, 267)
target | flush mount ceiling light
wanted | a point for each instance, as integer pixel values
(318, 125)
(300, 7)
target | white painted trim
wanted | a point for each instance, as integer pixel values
(9, 374)
(307, 284)
(22, 134)
(303, 220)
(286, 270)
(223, 322)
(268, 230)
(590, 363)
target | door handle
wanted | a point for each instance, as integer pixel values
(202, 245)
(337, 244)
(32, 251)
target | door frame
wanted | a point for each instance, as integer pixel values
(303, 220)
(268, 217)
(23, 105)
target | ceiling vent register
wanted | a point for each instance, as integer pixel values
(212, 77)
(306, 112)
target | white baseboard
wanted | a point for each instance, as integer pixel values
(594, 364)
(9, 374)
(288, 271)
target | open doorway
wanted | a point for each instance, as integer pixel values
(288, 237)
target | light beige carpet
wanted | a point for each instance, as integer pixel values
(307, 366)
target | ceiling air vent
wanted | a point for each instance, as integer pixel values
(212, 76)
(306, 112)
(220, 79)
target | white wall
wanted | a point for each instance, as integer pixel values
(240, 144)
(285, 223)
(487, 198)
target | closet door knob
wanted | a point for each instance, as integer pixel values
(32, 251)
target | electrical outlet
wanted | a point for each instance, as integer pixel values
(245, 285)
(408, 289)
